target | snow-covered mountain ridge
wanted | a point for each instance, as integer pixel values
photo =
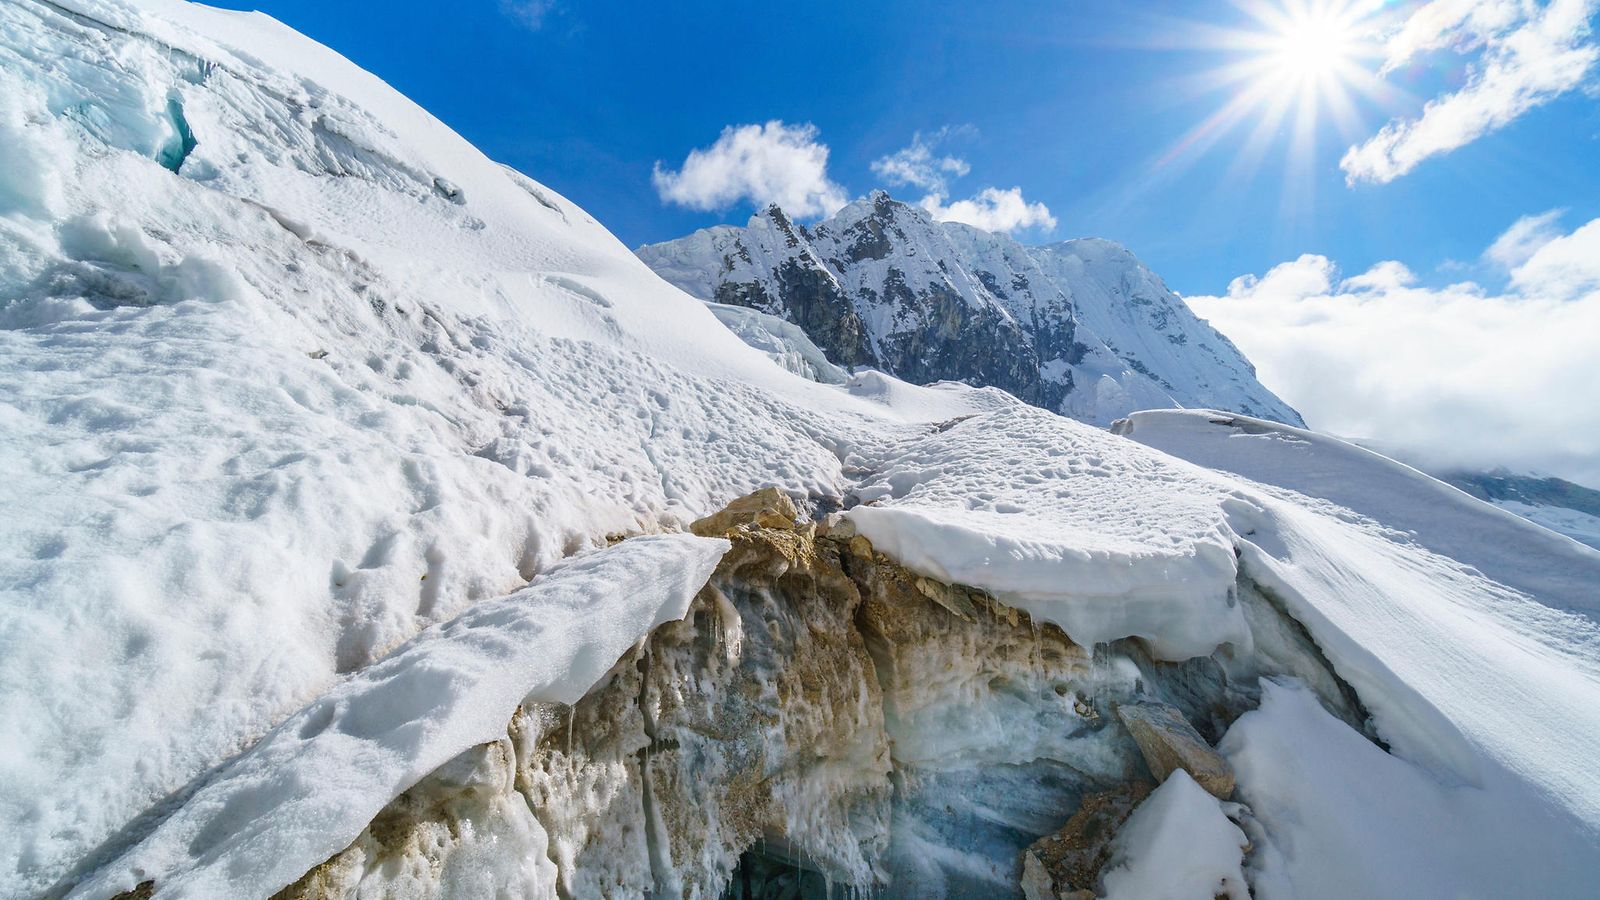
(362, 538)
(1081, 327)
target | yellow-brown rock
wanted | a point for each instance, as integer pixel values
(766, 508)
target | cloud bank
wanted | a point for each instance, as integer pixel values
(771, 163)
(1527, 54)
(1453, 376)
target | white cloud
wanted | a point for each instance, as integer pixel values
(917, 166)
(530, 13)
(1463, 24)
(1523, 239)
(1528, 54)
(1456, 376)
(1385, 276)
(771, 163)
(992, 209)
(1568, 267)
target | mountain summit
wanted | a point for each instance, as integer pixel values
(1081, 327)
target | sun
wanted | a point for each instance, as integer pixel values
(1291, 69)
(1314, 47)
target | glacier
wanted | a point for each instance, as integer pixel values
(348, 552)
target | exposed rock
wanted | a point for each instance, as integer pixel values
(1036, 881)
(143, 891)
(1081, 327)
(823, 716)
(1066, 865)
(836, 527)
(766, 508)
(1169, 742)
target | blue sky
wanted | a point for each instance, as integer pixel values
(1074, 102)
(1419, 264)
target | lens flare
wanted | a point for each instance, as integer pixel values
(1292, 68)
(1315, 47)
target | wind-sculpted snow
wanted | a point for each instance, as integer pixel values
(1504, 547)
(309, 787)
(1489, 696)
(1065, 521)
(293, 374)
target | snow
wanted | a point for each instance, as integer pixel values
(1470, 681)
(1501, 545)
(1069, 523)
(780, 339)
(1113, 330)
(1178, 845)
(1125, 308)
(308, 788)
(272, 420)
(1481, 690)
(1342, 818)
(270, 416)
(1576, 524)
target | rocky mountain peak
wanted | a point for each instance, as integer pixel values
(1082, 327)
(775, 218)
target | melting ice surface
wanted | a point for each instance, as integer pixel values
(339, 379)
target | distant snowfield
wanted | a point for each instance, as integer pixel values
(339, 379)
(1579, 526)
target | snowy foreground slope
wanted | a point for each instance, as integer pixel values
(1081, 327)
(305, 404)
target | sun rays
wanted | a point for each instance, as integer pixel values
(1296, 67)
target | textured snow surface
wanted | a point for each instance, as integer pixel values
(338, 379)
(1072, 524)
(308, 788)
(1489, 696)
(1503, 546)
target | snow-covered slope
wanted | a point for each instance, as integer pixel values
(257, 432)
(1483, 692)
(1081, 327)
(298, 393)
